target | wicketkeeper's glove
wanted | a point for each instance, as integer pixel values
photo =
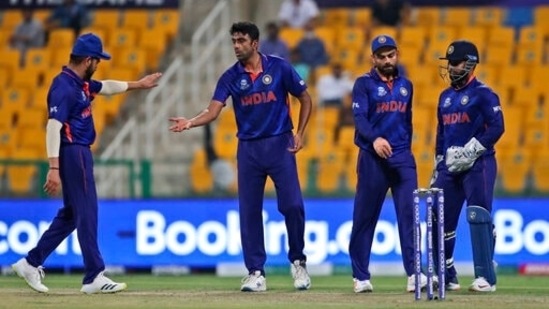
(459, 159)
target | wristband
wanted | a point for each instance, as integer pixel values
(54, 168)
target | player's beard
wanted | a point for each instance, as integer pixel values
(89, 72)
(387, 69)
(243, 55)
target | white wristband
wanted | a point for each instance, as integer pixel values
(53, 138)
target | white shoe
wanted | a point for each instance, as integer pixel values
(453, 285)
(362, 286)
(481, 285)
(102, 284)
(302, 281)
(411, 285)
(32, 275)
(254, 282)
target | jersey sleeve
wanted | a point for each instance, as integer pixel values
(59, 104)
(493, 120)
(360, 108)
(439, 141)
(222, 91)
(409, 114)
(95, 86)
(291, 79)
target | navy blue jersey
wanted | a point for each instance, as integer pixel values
(472, 111)
(261, 102)
(383, 109)
(69, 102)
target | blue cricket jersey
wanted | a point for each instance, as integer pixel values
(472, 111)
(261, 104)
(383, 109)
(69, 102)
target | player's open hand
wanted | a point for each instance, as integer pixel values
(180, 124)
(53, 182)
(149, 81)
(383, 148)
(298, 144)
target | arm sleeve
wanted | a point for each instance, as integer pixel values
(113, 87)
(59, 104)
(493, 120)
(53, 138)
(439, 146)
(410, 115)
(222, 91)
(360, 111)
(292, 81)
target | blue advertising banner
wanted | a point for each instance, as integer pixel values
(39, 4)
(202, 233)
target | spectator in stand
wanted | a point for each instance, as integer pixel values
(334, 88)
(312, 49)
(273, 45)
(297, 13)
(391, 13)
(70, 14)
(28, 34)
(302, 69)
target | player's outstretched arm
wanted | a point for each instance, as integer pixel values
(110, 87)
(206, 116)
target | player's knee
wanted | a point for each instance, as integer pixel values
(478, 215)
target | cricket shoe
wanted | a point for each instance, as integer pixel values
(481, 285)
(103, 285)
(32, 275)
(453, 285)
(411, 285)
(362, 286)
(254, 282)
(302, 281)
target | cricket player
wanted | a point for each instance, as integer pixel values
(69, 134)
(259, 85)
(382, 107)
(470, 122)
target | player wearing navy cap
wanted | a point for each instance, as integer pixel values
(259, 86)
(470, 122)
(69, 134)
(382, 107)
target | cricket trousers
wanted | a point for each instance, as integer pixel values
(375, 177)
(257, 159)
(79, 212)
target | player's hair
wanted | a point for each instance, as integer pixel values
(246, 27)
(75, 60)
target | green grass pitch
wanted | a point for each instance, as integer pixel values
(208, 291)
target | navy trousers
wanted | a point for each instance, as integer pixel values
(79, 211)
(257, 159)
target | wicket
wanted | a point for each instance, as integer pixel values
(428, 193)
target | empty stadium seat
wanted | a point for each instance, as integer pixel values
(488, 17)
(456, 16)
(201, 176)
(61, 38)
(136, 19)
(22, 178)
(291, 36)
(167, 22)
(108, 20)
(330, 170)
(513, 170)
(351, 38)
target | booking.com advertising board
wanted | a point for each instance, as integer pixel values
(203, 233)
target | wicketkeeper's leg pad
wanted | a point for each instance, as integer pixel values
(482, 239)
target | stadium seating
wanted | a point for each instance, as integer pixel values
(137, 39)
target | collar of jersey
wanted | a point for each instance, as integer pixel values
(264, 62)
(471, 81)
(73, 75)
(375, 75)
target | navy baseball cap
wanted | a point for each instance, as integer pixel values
(383, 41)
(461, 51)
(89, 45)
